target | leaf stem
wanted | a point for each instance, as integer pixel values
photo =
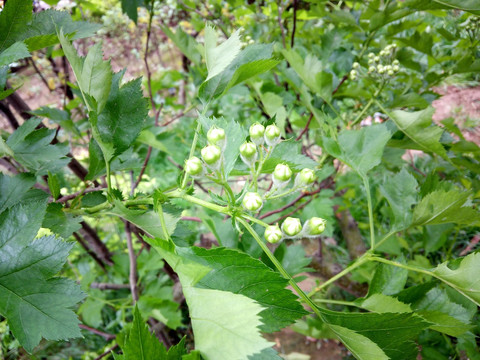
(366, 183)
(192, 150)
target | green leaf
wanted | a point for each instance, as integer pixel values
(359, 345)
(219, 57)
(130, 7)
(122, 119)
(32, 148)
(440, 207)
(380, 303)
(13, 188)
(445, 323)
(400, 190)
(392, 333)
(461, 278)
(164, 310)
(28, 290)
(419, 128)
(139, 343)
(468, 5)
(96, 166)
(360, 149)
(185, 43)
(14, 53)
(13, 19)
(53, 185)
(288, 152)
(249, 70)
(388, 279)
(59, 222)
(145, 220)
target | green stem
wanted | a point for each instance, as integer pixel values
(360, 261)
(364, 110)
(109, 181)
(282, 194)
(279, 267)
(385, 238)
(194, 200)
(366, 183)
(336, 302)
(255, 220)
(192, 150)
(163, 223)
(407, 267)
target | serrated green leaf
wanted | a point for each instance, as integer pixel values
(33, 148)
(440, 207)
(13, 188)
(145, 220)
(14, 53)
(185, 43)
(249, 70)
(400, 191)
(288, 152)
(469, 5)
(28, 291)
(122, 119)
(360, 149)
(53, 185)
(96, 166)
(388, 280)
(380, 303)
(400, 328)
(359, 345)
(59, 222)
(130, 7)
(139, 343)
(219, 57)
(461, 278)
(445, 323)
(13, 19)
(419, 128)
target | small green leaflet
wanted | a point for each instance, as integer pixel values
(440, 207)
(419, 128)
(14, 53)
(359, 345)
(462, 278)
(400, 190)
(219, 57)
(137, 342)
(360, 149)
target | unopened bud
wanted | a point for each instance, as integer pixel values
(355, 65)
(252, 201)
(272, 135)
(216, 136)
(304, 177)
(315, 226)
(291, 226)
(248, 153)
(282, 172)
(256, 132)
(194, 166)
(211, 154)
(273, 234)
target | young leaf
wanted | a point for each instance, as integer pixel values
(219, 57)
(461, 278)
(418, 127)
(28, 291)
(139, 343)
(14, 53)
(122, 119)
(185, 43)
(13, 19)
(380, 303)
(13, 188)
(388, 280)
(400, 191)
(360, 149)
(440, 207)
(59, 222)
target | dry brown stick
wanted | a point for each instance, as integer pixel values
(105, 335)
(475, 240)
(89, 251)
(294, 28)
(97, 245)
(37, 70)
(81, 192)
(290, 204)
(306, 127)
(133, 263)
(191, 218)
(108, 286)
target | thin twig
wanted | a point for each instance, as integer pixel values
(292, 41)
(133, 263)
(81, 192)
(306, 127)
(191, 218)
(45, 82)
(89, 251)
(105, 335)
(290, 204)
(108, 286)
(107, 352)
(475, 240)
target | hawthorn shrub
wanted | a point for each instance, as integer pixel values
(173, 216)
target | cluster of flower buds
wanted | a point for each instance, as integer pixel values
(292, 228)
(380, 66)
(212, 154)
(472, 25)
(258, 136)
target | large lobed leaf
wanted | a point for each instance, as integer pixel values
(231, 297)
(360, 149)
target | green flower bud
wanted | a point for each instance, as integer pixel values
(376, 59)
(216, 136)
(372, 69)
(252, 201)
(395, 62)
(380, 69)
(355, 65)
(315, 226)
(371, 61)
(193, 166)
(282, 172)
(371, 55)
(256, 132)
(273, 234)
(272, 135)
(211, 154)
(291, 226)
(396, 68)
(390, 72)
(305, 177)
(248, 153)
